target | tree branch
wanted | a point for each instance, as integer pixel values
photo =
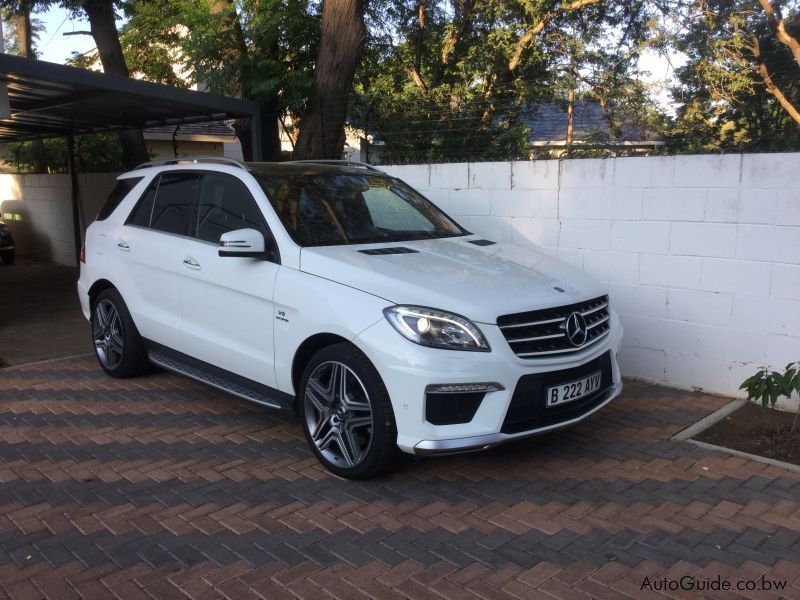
(778, 27)
(773, 89)
(417, 79)
(526, 40)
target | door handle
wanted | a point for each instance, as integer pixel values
(122, 245)
(191, 263)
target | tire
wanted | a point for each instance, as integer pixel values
(338, 432)
(117, 344)
(7, 256)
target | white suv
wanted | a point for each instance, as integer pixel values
(337, 291)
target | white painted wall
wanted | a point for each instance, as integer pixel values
(39, 210)
(701, 253)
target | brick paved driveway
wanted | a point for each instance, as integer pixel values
(163, 487)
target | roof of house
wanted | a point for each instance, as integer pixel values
(548, 123)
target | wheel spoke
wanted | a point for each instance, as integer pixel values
(113, 319)
(318, 395)
(350, 453)
(326, 440)
(115, 343)
(101, 312)
(338, 383)
(356, 422)
(355, 406)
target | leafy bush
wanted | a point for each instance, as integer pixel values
(767, 386)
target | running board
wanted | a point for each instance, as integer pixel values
(220, 379)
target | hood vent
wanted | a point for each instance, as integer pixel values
(395, 250)
(482, 242)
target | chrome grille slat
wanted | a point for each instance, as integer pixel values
(588, 312)
(532, 323)
(536, 338)
(597, 323)
(540, 333)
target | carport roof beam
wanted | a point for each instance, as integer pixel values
(50, 100)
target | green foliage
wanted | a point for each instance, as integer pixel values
(150, 44)
(767, 386)
(94, 153)
(455, 80)
(723, 102)
(259, 49)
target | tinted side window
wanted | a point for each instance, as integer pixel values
(174, 201)
(225, 205)
(121, 189)
(140, 215)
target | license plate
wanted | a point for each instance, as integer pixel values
(574, 390)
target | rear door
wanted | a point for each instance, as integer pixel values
(149, 246)
(227, 302)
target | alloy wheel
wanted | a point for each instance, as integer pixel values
(338, 414)
(107, 334)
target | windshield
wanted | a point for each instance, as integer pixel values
(326, 209)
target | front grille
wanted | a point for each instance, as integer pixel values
(541, 333)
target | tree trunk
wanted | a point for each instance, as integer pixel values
(25, 42)
(342, 41)
(570, 115)
(106, 38)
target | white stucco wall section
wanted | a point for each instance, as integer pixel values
(701, 253)
(39, 210)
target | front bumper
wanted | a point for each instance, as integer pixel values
(407, 369)
(484, 442)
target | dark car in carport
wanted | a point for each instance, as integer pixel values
(6, 244)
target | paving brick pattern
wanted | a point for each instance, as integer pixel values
(160, 487)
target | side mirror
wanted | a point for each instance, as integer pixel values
(242, 242)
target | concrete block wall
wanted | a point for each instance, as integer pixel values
(701, 254)
(39, 210)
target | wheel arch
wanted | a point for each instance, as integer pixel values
(305, 351)
(99, 286)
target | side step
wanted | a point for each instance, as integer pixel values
(220, 379)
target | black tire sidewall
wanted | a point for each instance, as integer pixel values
(383, 451)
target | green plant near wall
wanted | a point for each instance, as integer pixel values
(767, 386)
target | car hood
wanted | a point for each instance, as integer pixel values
(478, 282)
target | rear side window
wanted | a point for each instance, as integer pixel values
(121, 189)
(174, 203)
(140, 215)
(225, 205)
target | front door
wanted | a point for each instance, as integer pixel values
(226, 302)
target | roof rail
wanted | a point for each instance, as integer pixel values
(189, 160)
(340, 163)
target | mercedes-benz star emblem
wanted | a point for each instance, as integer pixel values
(574, 327)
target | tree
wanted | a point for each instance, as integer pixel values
(24, 33)
(740, 87)
(343, 36)
(102, 21)
(260, 50)
(451, 79)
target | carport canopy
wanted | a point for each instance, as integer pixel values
(40, 99)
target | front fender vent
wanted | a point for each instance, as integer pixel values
(482, 242)
(395, 250)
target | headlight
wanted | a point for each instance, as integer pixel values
(436, 328)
